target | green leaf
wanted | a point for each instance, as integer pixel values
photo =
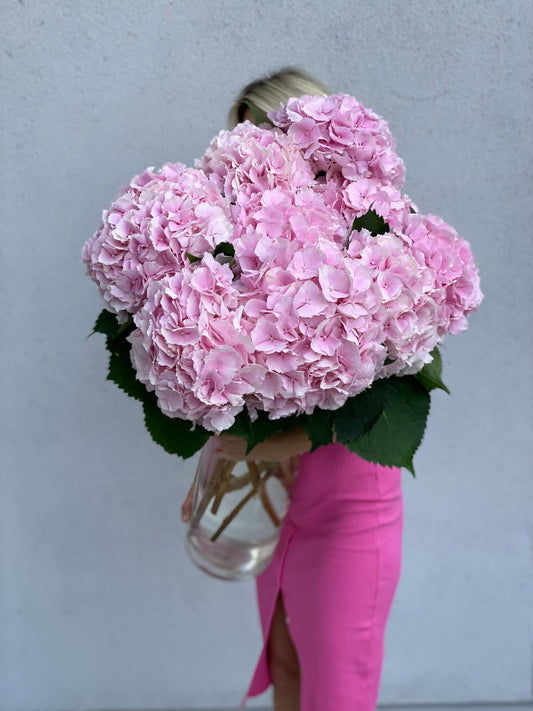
(224, 248)
(173, 433)
(431, 374)
(106, 323)
(398, 431)
(193, 257)
(319, 427)
(127, 326)
(121, 371)
(241, 427)
(258, 114)
(371, 221)
(359, 413)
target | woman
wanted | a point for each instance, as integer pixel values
(325, 598)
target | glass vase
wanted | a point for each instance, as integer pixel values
(237, 511)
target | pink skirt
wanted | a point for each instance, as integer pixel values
(337, 566)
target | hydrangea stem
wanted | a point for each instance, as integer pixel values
(229, 518)
(210, 490)
(223, 486)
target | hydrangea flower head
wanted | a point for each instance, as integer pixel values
(253, 282)
(149, 229)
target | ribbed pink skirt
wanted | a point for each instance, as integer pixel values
(337, 566)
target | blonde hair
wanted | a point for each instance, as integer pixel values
(271, 91)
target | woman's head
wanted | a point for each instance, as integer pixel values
(270, 92)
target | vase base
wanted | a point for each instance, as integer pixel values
(228, 558)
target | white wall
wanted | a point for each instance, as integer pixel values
(100, 607)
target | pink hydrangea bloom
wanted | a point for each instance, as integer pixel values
(148, 230)
(338, 134)
(357, 197)
(453, 272)
(304, 312)
(189, 346)
(248, 160)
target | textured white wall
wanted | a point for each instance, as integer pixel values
(100, 607)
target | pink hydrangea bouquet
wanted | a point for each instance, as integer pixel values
(285, 280)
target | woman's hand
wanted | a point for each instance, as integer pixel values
(281, 446)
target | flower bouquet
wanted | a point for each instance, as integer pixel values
(284, 281)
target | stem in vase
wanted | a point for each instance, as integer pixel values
(238, 482)
(267, 504)
(223, 487)
(229, 518)
(210, 490)
(254, 472)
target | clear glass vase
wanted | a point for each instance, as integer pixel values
(237, 511)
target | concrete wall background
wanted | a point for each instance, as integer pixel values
(100, 607)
